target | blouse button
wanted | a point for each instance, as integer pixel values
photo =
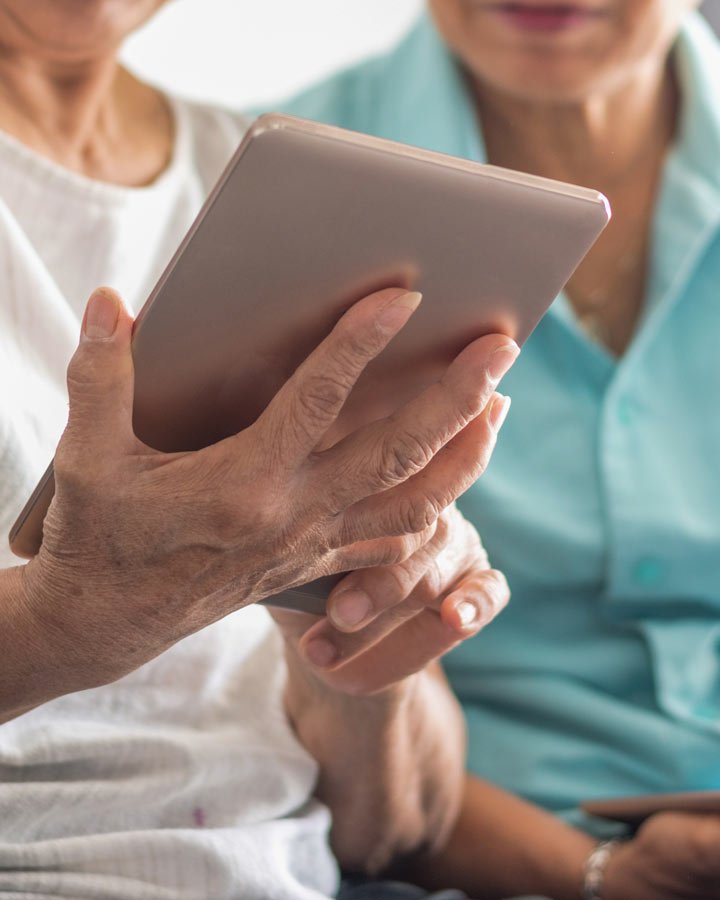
(626, 411)
(648, 571)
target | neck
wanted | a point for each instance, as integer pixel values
(615, 143)
(602, 141)
(94, 117)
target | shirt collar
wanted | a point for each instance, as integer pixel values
(687, 215)
(425, 101)
(697, 57)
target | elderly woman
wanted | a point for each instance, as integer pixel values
(145, 750)
(603, 503)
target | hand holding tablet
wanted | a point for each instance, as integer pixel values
(306, 220)
(674, 854)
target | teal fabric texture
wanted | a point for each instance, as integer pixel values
(602, 502)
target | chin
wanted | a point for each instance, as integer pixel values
(70, 28)
(544, 85)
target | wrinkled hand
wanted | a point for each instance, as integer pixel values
(675, 856)
(142, 548)
(386, 624)
(368, 701)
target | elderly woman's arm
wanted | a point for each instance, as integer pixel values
(391, 767)
(143, 548)
(384, 726)
(502, 846)
(30, 673)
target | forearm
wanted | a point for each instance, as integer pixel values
(29, 673)
(503, 847)
(391, 766)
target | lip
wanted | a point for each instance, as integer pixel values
(550, 18)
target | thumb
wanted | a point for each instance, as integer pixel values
(100, 378)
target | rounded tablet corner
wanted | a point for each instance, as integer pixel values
(269, 121)
(24, 545)
(605, 203)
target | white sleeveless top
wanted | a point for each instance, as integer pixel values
(182, 781)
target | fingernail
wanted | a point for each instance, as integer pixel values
(467, 613)
(101, 316)
(501, 361)
(498, 412)
(350, 609)
(321, 653)
(400, 309)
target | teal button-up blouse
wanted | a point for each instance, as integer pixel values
(602, 502)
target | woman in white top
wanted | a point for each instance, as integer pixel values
(145, 750)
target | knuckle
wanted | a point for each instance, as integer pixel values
(358, 341)
(424, 553)
(496, 589)
(403, 457)
(70, 472)
(87, 366)
(79, 367)
(434, 581)
(477, 465)
(466, 405)
(408, 546)
(487, 390)
(398, 550)
(229, 518)
(322, 393)
(341, 537)
(395, 587)
(486, 607)
(468, 469)
(466, 410)
(426, 540)
(490, 594)
(387, 552)
(221, 520)
(417, 515)
(443, 531)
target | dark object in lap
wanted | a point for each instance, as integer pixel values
(392, 890)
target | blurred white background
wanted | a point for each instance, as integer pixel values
(244, 52)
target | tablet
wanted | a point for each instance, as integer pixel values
(634, 810)
(305, 220)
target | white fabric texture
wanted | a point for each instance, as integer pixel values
(182, 781)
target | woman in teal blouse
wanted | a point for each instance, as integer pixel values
(602, 504)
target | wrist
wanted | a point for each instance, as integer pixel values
(561, 874)
(315, 708)
(69, 656)
(308, 689)
(30, 674)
